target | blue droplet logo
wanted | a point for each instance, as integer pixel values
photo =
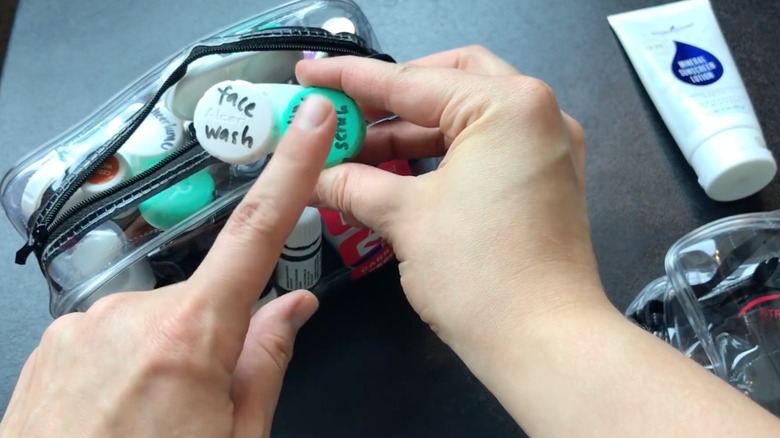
(696, 66)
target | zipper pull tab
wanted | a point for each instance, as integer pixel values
(34, 244)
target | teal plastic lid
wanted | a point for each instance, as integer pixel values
(351, 129)
(178, 202)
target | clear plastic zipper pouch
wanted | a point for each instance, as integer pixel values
(131, 198)
(719, 302)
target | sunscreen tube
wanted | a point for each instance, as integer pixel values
(684, 63)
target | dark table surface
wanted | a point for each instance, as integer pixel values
(366, 365)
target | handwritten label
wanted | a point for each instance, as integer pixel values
(341, 139)
(169, 125)
(234, 129)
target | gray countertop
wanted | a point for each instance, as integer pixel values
(366, 365)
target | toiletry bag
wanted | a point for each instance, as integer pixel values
(719, 302)
(129, 200)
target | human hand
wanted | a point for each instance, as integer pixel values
(189, 359)
(499, 234)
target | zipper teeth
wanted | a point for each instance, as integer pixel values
(343, 47)
(185, 166)
(121, 186)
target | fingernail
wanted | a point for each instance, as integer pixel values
(304, 310)
(312, 113)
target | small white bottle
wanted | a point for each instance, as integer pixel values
(300, 264)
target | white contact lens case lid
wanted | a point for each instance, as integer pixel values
(203, 73)
(159, 134)
(239, 122)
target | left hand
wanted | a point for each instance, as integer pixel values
(186, 360)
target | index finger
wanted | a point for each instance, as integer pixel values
(429, 97)
(244, 255)
(472, 59)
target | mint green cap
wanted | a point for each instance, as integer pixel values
(178, 202)
(351, 127)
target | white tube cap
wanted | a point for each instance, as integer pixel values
(159, 135)
(39, 182)
(306, 233)
(95, 252)
(203, 73)
(338, 25)
(734, 164)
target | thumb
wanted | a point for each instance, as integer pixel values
(257, 379)
(363, 194)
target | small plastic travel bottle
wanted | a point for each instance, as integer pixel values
(300, 264)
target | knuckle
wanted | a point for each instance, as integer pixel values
(577, 133)
(474, 54)
(278, 348)
(540, 94)
(341, 189)
(477, 50)
(402, 81)
(61, 330)
(178, 339)
(109, 304)
(255, 218)
(404, 69)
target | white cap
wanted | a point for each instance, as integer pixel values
(39, 182)
(306, 233)
(733, 164)
(111, 173)
(238, 122)
(339, 24)
(137, 277)
(157, 136)
(89, 256)
(92, 254)
(203, 73)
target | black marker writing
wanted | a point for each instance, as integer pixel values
(240, 103)
(228, 136)
(170, 133)
(341, 129)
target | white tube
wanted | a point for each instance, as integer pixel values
(300, 264)
(684, 63)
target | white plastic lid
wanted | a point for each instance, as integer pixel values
(39, 182)
(138, 277)
(203, 73)
(237, 122)
(91, 254)
(734, 164)
(96, 251)
(339, 24)
(111, 173)
(306, 233)
(159, 135)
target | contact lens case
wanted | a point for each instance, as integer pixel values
(132, 197)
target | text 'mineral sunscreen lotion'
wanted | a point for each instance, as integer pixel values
(684, 63)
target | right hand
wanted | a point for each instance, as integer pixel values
(499, 234)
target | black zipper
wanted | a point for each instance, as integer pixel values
(92, 212)
(276, 39)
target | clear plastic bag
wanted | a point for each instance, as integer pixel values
(719, 302)
(129, 200)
